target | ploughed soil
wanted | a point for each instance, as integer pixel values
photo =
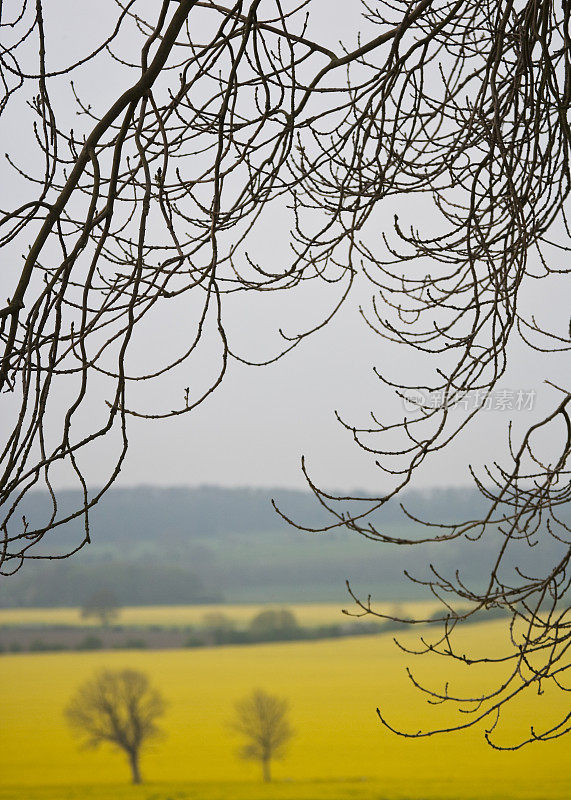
(45, 638)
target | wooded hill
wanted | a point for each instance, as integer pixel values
(194, 545)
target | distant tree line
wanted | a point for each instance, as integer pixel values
(269, 625)
(217, 629)
(275, 625)
(140, 582)
(203, 555)
(168, 517)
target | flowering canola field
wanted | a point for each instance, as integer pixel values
(307, 614)
(333, 687)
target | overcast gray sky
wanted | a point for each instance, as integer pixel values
(255, 428)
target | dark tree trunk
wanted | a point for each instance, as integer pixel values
(134, 763)
(266, 770)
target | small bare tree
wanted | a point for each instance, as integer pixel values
(102, 605)
(119, 707)
(263, 719)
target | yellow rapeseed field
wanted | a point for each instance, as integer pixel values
(333, 687)
(308, 614)
(243, 790)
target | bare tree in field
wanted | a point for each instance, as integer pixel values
(262, 719)
(120, 708)
(102, 605)
(220, 116)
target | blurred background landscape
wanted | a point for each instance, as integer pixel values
(211, 595)
(210, 544)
